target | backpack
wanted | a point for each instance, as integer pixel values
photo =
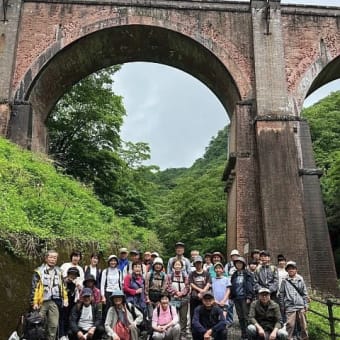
(34, 326)
(145, 325)
(155, 295)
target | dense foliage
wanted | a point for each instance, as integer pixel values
(39, 207)
(84, 139)
(324, 121)
(190, 204)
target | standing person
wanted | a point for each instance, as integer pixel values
(255, 256)
(147, 260)
(199, 281)
(86, 319)
(281, 268)
(266, 275)
(242, 292)
(134, 258)
(134, 285)
(155, 285)
(112, 280)
(208, 321)
(179, 248)
(229, 269)
(178, 287)
(122, 318)
(93, 269)
(165, 321)
(252, 265)
(193, 253)
(123, 259)
(48, 292)
(72, 296)
(216, 257)
(294, 300)
(264, 318)
(221, 288)
(207, 262)
(75, 258)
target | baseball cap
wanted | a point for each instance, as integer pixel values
(123, 250)
(86, 292)
(264, 290)
(291, 264)
(207, 295)
(198, 259)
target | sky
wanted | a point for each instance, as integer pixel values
(175, 113)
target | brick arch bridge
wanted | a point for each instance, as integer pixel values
(260, 58)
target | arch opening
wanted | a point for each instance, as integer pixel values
(124, 44)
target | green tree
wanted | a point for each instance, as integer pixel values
(190, 204)
(84, 132)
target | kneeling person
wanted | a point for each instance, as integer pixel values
(122, 318)
(165, 321)
(264, 318)
(86, 319)
(208, 320)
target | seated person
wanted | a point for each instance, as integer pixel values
(264, 318)
(165, 321)
(208, 320)
(122, 318)
(86, 319)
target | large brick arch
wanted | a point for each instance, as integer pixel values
(261, 59)
(319, 73)
(58, 68)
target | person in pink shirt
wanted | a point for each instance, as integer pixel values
(165, 321)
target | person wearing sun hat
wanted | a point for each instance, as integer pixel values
(90, 282)
(294, 299)
(123, 258)
(122, 317)
(112, 279)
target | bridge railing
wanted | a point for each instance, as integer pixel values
(328, 314)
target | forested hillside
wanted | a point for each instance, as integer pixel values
(40, 208)
(324, 120)
(190, 204)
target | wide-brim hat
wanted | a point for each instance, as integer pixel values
(117, 293)
(89, 278)
(240, 259)
(217, 253)
(111, 257)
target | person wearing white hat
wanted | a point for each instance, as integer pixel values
(264, 318)
(112, 279)
(155, 284)
(294, 300)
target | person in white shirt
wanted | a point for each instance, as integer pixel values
(112, 280)
(86, 319)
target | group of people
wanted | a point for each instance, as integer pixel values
(136, 294)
